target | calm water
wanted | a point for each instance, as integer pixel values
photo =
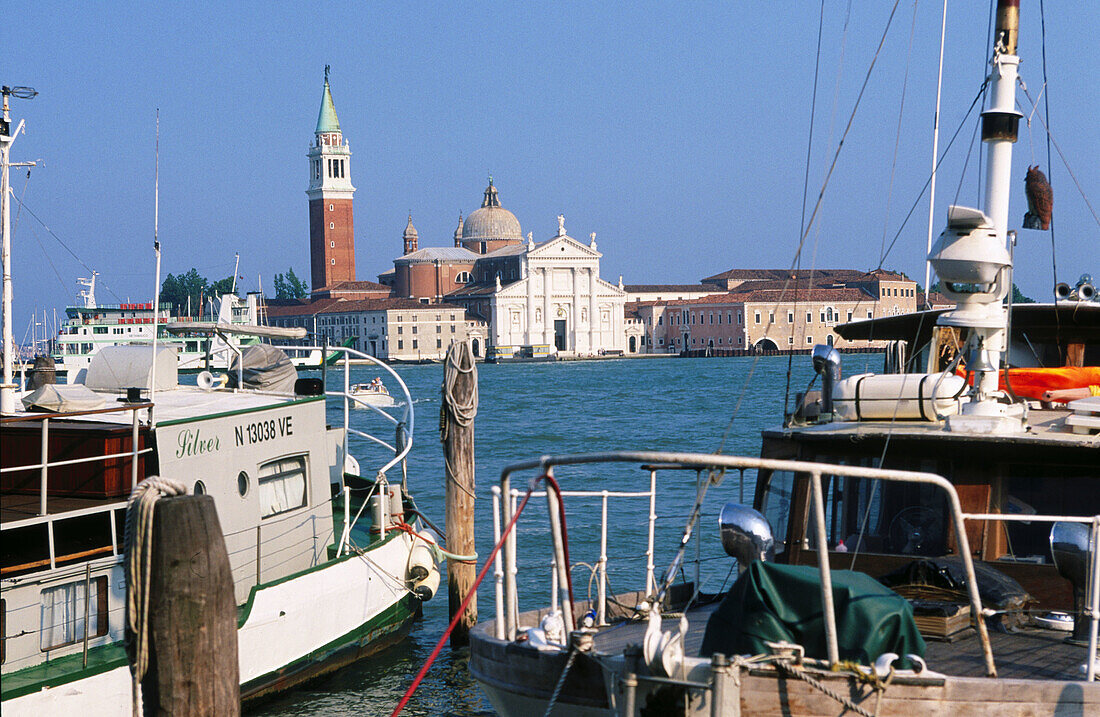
(527, 410)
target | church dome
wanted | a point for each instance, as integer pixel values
(491, 222)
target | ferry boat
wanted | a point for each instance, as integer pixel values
(917, 540)
(91, 325)
(330, 563)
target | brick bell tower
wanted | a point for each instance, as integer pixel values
(331, 230)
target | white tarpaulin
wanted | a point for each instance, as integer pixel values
(117, 368)
(63, 397)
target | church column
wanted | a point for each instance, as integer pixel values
(593, 312)
(575, 310)
(547, 317)
(529, 336)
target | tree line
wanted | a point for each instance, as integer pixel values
(188, 291)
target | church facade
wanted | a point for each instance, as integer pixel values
(538, 299)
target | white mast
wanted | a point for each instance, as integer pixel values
(935, 163)
(89, 295)
(156, 279)
(971, 258)
(7, 138)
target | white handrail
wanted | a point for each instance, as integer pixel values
(407, 416)
(656, 459)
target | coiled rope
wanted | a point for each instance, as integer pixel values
(459, 361)
(139, 550)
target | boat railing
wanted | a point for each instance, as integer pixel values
(507, 610)
(402, 423)
(44, 465)
(601, 564)
(1092, 591)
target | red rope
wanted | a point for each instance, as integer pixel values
(462, 608)
(412, 531)
(565, 546)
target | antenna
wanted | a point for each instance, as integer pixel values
(236, 265)
(156, 278)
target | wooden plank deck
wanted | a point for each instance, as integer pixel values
(1030, 654)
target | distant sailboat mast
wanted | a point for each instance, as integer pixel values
(156, 278)
(935, 165)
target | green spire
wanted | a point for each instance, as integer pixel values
(326, 118)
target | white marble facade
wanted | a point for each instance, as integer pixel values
(560, 301)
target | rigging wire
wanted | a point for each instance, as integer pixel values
(816, 209)
(66, 247)
(897, 136)
(1065, 163)
(806, 181)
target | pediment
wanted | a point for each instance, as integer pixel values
(563, 247)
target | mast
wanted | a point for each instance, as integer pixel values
(7, 138)
(156, 278)
(935, 161)
(1001, 121)
(971, 258)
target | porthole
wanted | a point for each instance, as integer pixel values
(200, 488)
(242, 483)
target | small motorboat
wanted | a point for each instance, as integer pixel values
(373, 393)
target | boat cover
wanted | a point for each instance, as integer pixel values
(772, 603)
(63, 397)
(266, 368)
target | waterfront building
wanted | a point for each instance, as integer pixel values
(535, 297)
(390, 329)
(670, 292)
(772, 310)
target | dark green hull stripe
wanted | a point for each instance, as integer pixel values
(105, 658)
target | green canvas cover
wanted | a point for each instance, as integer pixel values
(771, 602)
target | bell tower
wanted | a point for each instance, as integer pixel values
(331, 229)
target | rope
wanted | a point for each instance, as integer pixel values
(439, 553)
(462, 413)
(561, 682)
(799, 673)
(466, 601)
(139, 550)
(459, 361)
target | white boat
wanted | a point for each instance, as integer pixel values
(970, 511)
(374, 393)
(91, 325)
(329, 563)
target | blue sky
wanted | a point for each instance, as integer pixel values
(676, 132)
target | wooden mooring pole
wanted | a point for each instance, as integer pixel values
(193, 666)
(456, 429)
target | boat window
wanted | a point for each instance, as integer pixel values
(200, 488)
(883, 517)
(63, 610)
(1043, 490)
(282, 485)
(777, 505)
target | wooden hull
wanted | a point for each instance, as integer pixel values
(520, 681)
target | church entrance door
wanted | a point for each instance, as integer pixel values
(559, 334)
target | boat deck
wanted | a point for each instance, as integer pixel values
(1031, 653)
